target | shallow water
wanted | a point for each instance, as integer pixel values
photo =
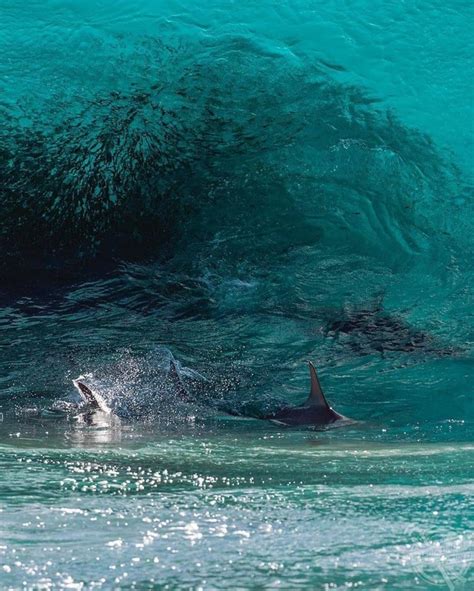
(224, 504)
(242, 187)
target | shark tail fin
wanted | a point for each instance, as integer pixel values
(316, 396)
(93, 399)
(177, 380)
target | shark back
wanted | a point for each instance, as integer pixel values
(315, 411)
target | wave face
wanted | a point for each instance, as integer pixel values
(239, 188)
(185, 137)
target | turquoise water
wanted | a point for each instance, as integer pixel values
(243, 186)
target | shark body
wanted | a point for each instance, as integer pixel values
(314, 412)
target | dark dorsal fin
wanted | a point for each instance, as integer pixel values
(316, 396)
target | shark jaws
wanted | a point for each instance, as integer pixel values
(316, 411)
(93, 400)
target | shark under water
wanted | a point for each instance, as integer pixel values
(373, 330)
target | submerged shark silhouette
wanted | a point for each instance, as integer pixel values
(314, 412)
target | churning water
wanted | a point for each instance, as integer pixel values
(241, 186)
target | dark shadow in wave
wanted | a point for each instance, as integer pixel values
(225, 140)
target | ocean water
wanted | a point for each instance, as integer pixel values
(240, 187)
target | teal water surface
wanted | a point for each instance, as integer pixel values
(242, 186)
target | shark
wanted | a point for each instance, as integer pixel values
(373, 330)
(315, 411)
(91, 398)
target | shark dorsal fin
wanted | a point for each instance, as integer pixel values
(316, 396)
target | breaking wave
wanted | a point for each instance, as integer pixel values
(214, 141)
(239, 205)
